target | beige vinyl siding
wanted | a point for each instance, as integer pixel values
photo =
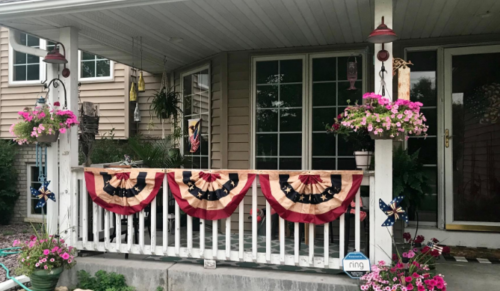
(109, 95)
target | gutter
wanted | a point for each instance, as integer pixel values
(15, 36)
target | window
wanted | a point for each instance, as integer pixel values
(94, 67)
(32, 201)
(26, 68)
(196, 105)
(424, 89)
(290, 119)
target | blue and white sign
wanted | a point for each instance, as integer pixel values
(356, 264)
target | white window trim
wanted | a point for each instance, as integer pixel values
(182, 75)
(43, 45)
(28, 192)
(307, 95)
(109, 78)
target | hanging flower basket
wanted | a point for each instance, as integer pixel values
(383, 119)
(43, 124)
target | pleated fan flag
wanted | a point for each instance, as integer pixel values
(124, 191)
(310, 197)
(209, 195)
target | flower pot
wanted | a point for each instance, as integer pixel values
(43, 280)
(363, 159)
(386, 135)
(48, 138)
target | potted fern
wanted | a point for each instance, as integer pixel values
(165, 105)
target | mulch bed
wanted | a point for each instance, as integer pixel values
(475, 252)
(9, 233)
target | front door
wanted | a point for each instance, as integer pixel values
(472, 138)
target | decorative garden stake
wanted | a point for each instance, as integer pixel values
(393, 211)
(352, 73)
(401, 67)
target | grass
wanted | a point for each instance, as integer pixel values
(8, 232)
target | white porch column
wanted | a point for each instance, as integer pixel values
(53, 161)
(68, 142)
(381, 242)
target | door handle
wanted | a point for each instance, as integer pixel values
(447, 138)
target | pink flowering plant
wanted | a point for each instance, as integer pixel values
(46, 120)
(44, 252)
(382, 118)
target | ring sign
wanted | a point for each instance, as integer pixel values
(356, 265)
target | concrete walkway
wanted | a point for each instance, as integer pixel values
(470, 276)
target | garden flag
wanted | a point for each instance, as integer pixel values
(310, 197)
(393, 211)
(124, 191)
(43, 194)
(209, 195)
(194, 126)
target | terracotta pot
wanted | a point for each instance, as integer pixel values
(48, 138)
(363, 159)
(43, 280)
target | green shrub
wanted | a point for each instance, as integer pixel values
(8, 180)
(107, 150)
(103, 281)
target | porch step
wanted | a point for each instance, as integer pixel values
(148, 275)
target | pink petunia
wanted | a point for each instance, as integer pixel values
(62, 130)
(65, 256)
(46, 252)
(52, 260)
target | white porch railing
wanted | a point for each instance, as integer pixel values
(106, 230)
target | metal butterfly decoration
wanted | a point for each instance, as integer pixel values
(393, 211)
(43, 194)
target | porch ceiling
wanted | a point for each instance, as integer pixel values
(207, 27)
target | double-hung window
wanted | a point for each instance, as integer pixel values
(26, 68)
(94, 67)
(196, 107)
(294, 97)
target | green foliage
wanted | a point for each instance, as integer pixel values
(159, 153)
(103, 281)
(159, 288)
(409, 179)
(164, 105)
(107, 150)
(8, 180)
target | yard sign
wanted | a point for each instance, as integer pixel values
(356, 264)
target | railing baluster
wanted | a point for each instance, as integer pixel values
(282, 240)
(165, 215)
(130, 231)
(296, 242)
(268, 232)
(177, 229)
(85, 209)
(141, 230)
(95, 224)
(311, 243)
(118, 232)
(357, 223)
(228, 237)
(153, 225)
(254, 219)
(327, 244)
(101, 219)
(106, 229)
(341, 237)
(189, 234)
(241, 223)
(202, 238)
(215, 238)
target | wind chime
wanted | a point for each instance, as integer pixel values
(140, 86)
(352, 72)
(382, 34)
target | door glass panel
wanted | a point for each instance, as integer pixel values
(476, 137)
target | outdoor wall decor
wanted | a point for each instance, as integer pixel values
(352, 73)
(400, 67)
(316, 197)
(194, 126)
(209, 195)
(125, 191)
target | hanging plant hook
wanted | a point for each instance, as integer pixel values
(55, 83)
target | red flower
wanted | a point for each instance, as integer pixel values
(408, 279)
(415, 275)
(395, 257)
(419, 239)
(339, 117)
(57, 103)
(426, 249)
(33, 237)
(336, 126)
(435, 253)
(435, 240)
(409, 287)
(446, 250)
(407, 236)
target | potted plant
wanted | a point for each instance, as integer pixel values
(42, 124)
(165, 105)
(359, 139)
(384, 119)
(43, 258)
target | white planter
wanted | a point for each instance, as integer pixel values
(363, 159)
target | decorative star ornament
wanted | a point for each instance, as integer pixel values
(43, 194)
(393, 211)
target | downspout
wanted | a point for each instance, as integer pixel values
(15, 36)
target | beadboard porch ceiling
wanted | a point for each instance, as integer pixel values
(188, 30)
